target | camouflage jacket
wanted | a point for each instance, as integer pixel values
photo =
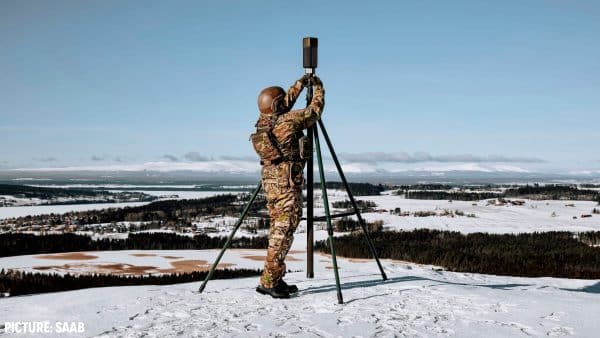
(287, 127)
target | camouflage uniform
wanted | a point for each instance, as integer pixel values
(283, 182)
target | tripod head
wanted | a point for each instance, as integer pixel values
(309, 53)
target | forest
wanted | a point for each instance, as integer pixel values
(549, 254)
(345, 224)
(358, 189)
(15, 244)
(46, 193)
(363, 206)
(175, 211)
(454, 196)
(553, 192)
(15, 283)
(57, 196)
(535, 192)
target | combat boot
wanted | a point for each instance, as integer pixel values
(275, 292)
(290, 288)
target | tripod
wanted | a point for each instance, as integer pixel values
(313, 135)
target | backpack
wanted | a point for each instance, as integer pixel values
(266, 145)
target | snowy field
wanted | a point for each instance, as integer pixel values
(532, 216)
(137, 262)
(416, 301)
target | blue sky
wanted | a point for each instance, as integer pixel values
(409, 82)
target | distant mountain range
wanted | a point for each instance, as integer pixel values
(249, 172)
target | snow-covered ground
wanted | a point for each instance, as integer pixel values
(532, 216)
(417, 300)
(152, 261)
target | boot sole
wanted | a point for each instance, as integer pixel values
(263, 292)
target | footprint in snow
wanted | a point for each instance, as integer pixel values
(561, 331)
(555, 316)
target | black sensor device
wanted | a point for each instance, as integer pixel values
(309, 49)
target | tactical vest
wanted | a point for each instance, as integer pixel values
(273, 151)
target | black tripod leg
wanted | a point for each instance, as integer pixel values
(328, 217)
(361, 221)
(230, 238)
(310, 183)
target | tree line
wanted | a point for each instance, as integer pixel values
(361, 204)
(47, 193)
(357, 189)
(345, 224)
(553, 192)
(535, 191)
(175, 211)
(550, 254)
(15, 244)
(14, 283)
(451, 195)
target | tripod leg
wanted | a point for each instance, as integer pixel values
(230, 238)
(328, 217)
(361, 221)
(310, 183)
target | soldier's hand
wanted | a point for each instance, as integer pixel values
(316, 81)
(305, 79)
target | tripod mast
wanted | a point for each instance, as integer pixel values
(310, 181)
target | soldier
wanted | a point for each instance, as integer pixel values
(282, 147)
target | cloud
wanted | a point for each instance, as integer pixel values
(239, 158)
(97, 158)
(45, 159)
(194, 156)
(402, 157)
(171, 158)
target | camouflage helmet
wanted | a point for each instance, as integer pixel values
(270, 100)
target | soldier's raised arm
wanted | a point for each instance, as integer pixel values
(311, 114)
(294, 91)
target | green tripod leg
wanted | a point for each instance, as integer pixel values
(328, 217)
(230, 238)
(361, 221)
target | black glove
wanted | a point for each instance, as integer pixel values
(316, 81)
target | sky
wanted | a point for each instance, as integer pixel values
(409, 84)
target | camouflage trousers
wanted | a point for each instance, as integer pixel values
(282, 184)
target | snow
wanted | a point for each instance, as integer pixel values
(533, 216)
(487, 168)
(160, 259)
(417, 300)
